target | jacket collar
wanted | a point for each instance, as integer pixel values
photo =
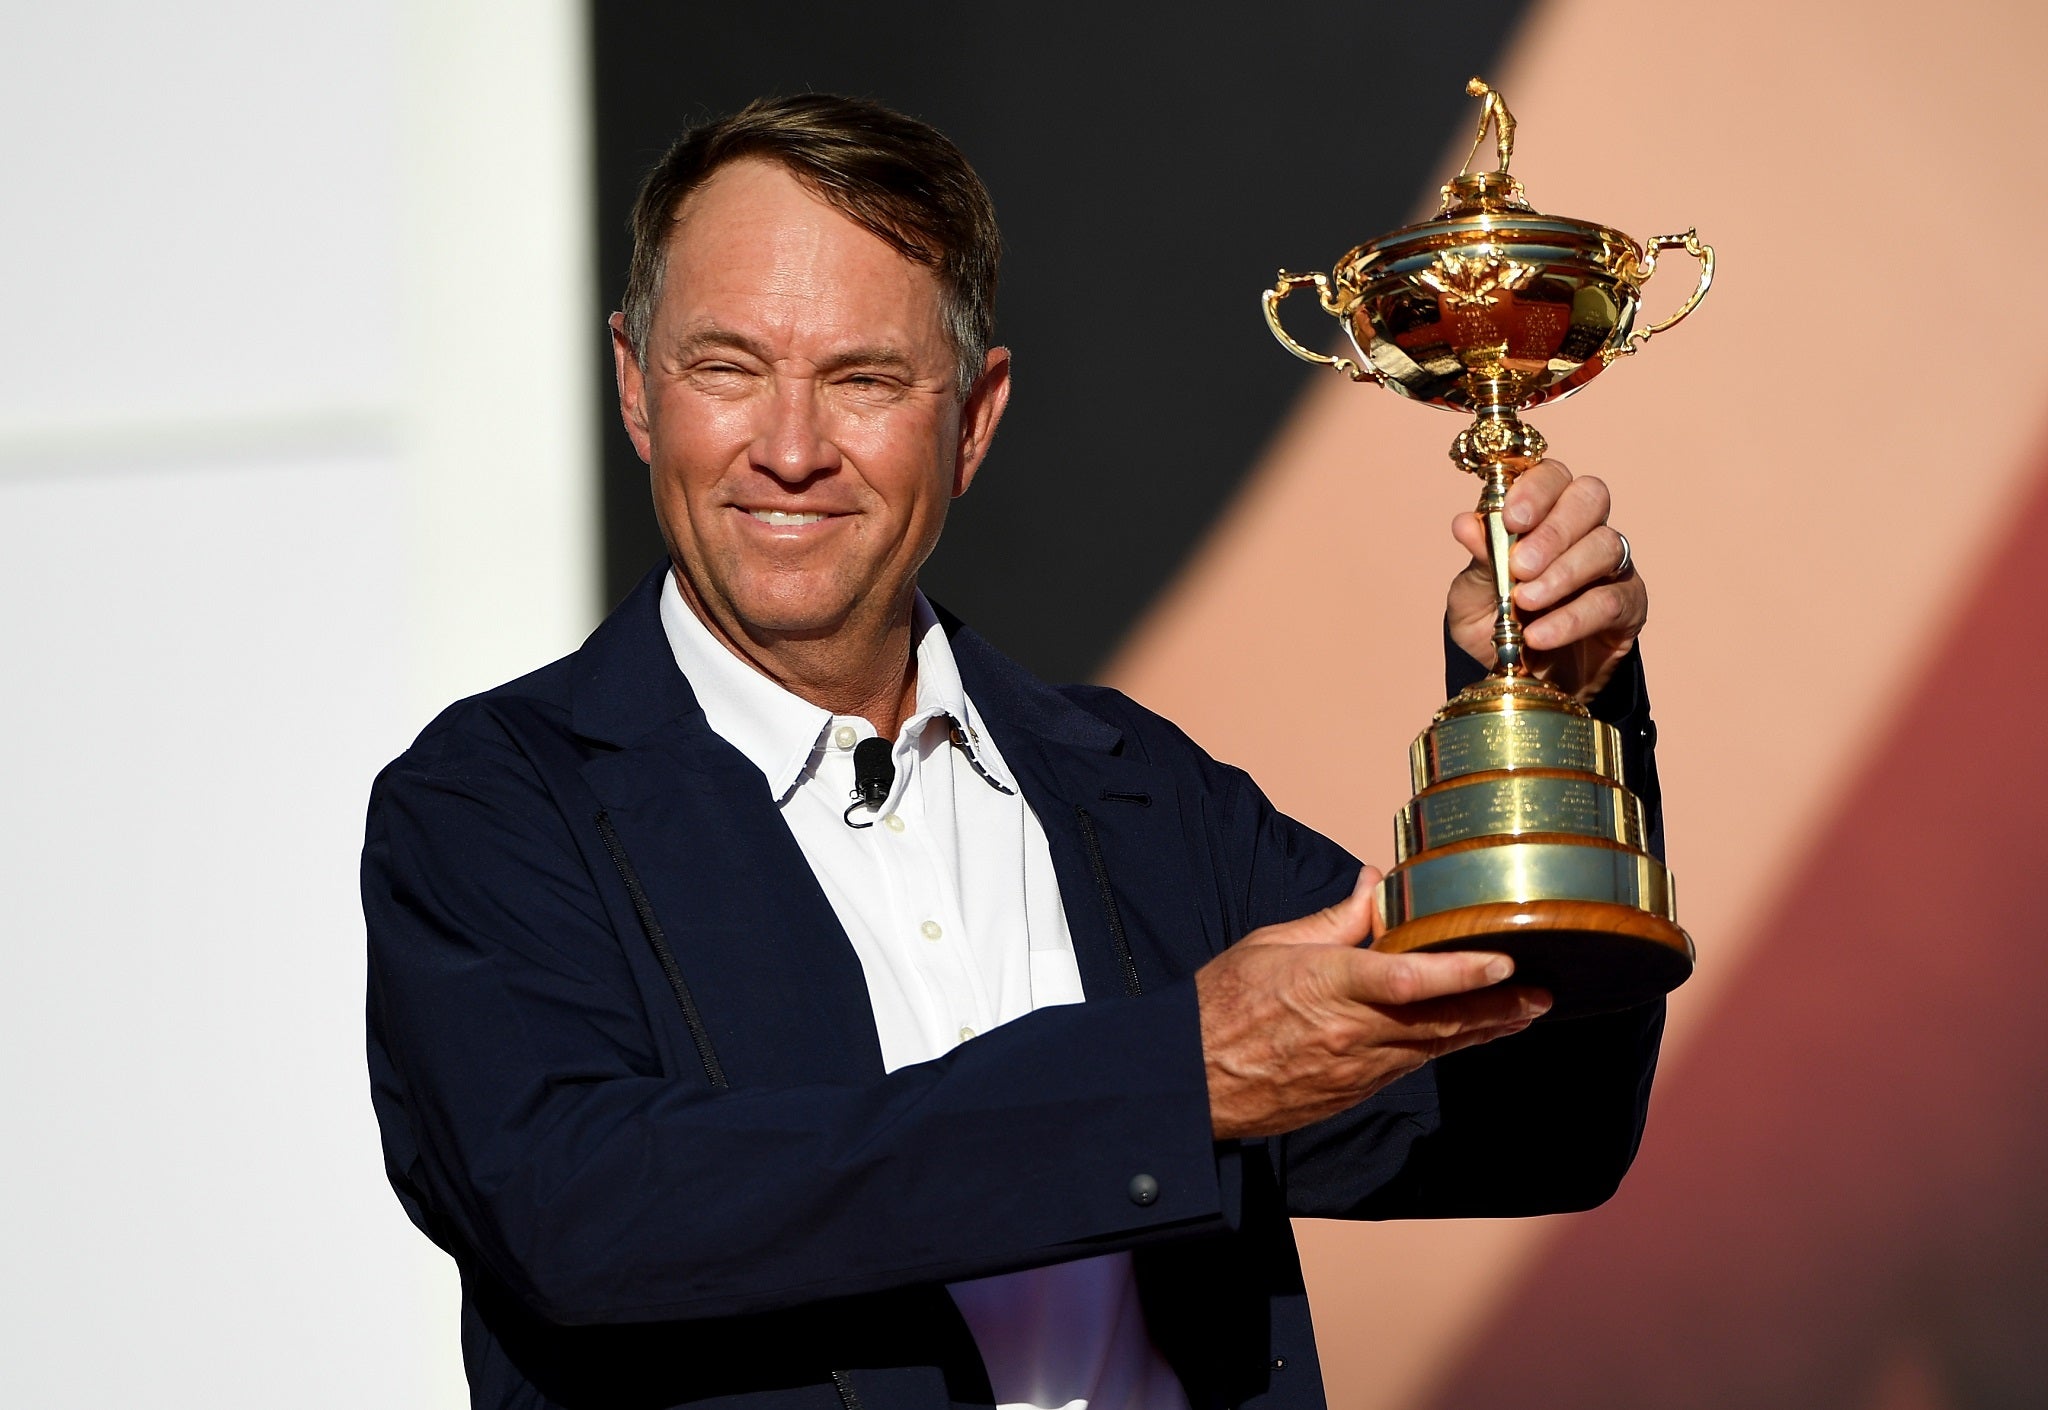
(626, 684)
(1006, 694)
(778, 730)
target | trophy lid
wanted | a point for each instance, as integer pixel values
(1482, 193)
(1487, 214)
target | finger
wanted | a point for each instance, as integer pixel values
(1458, 1020)
(1591, 560)
(1489, 1035)
(1372, 977)
(1616, 611)
(1472, 1037)
(1578, 511)
(1349, 922)
(1470, 604)
(1533, 495)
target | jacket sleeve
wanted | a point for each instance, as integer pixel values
(1544, 1122)
(534, 1130)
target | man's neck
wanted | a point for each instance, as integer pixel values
(863, 668)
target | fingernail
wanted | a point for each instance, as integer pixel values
(1499, 968)
(1536, 1005)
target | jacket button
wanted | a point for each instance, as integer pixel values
(1144, 1190)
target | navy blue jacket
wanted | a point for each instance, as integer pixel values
(627, 1073)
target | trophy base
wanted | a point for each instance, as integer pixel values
(1593, 956)
(1523, 838)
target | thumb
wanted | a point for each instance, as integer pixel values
(1352, 921)
(1470, 532)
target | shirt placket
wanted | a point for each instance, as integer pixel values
(872, 884)
(934, 924)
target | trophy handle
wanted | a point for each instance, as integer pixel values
(1691, 244)
(1287, 284)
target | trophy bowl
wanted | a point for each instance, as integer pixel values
(1490, 305)
(1523, 835)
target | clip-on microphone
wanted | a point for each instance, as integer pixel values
(873, 773)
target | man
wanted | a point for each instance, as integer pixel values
(788, 1001)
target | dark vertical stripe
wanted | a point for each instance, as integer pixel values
(849, 1398)
(1152, 168)
(714, 1072)
(1125, 960)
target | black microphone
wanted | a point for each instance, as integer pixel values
(873, 773)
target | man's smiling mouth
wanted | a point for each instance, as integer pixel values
(781, 517)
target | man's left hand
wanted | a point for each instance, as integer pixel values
(1578, 619)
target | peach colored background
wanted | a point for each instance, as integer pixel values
(1810, 471)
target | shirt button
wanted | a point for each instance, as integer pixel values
(846, 736)
(930, 930)
(965, 1032)
(1144, 1190)
(893, 823)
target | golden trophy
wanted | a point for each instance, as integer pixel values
(1521, 836)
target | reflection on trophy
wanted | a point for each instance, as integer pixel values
(1522, 836)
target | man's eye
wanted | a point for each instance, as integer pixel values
(870, 383)
(719, 374)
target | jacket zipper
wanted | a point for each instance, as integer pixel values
(1116, 920)
(651, 927)
(848, 1397)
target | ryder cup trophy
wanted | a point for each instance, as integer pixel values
(1522, 836)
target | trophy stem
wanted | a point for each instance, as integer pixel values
(1507, 627)
(1496, 447)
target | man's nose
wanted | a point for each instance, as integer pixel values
(793, 442)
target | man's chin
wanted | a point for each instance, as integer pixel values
(793, 617)
(787, 605)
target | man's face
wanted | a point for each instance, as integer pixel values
(799, 413)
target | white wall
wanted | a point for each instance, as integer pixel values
(294, 447)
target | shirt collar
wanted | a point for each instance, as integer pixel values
(939, 692)
(778, 731)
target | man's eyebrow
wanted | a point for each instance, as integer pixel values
(707, 337)
(880, 356)
(713, 337)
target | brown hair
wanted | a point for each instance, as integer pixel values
(894, 176)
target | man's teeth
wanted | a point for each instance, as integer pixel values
(777, 516)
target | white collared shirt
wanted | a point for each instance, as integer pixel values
(949, 898)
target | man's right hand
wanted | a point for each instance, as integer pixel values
(1299, 1023)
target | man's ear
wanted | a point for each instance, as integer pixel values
(983, 409)
(632, 388)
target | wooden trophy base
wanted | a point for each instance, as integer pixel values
(1593, 956)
